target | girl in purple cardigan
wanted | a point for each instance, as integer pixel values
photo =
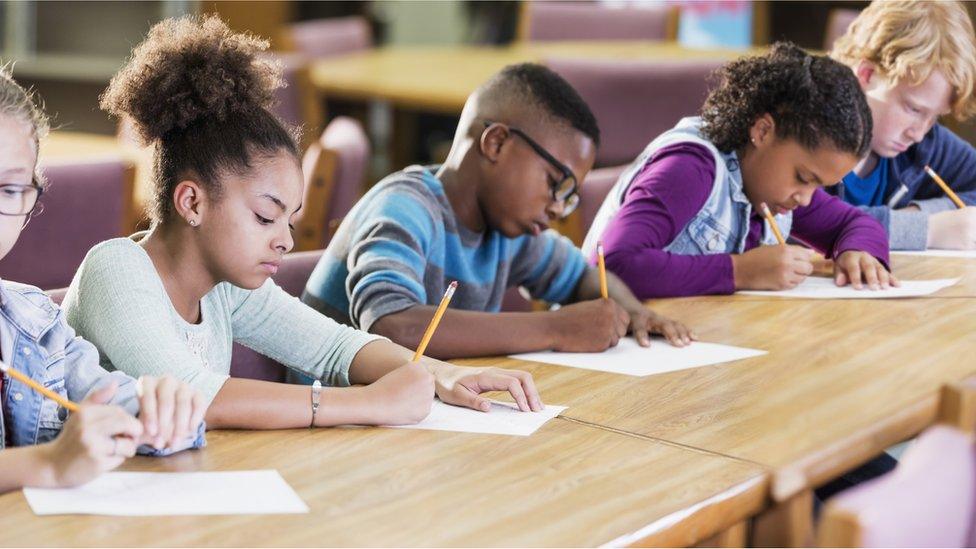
(684, 218)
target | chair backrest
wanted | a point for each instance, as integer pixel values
(837, 23)
(297, 103)
(593, 192)
(335, 168)
(635, 101)
(292, 276)
(552, 21)
(85, 204)
(929, 500)
(328, 37)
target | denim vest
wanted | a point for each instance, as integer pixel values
(720, 227)
(36, 340)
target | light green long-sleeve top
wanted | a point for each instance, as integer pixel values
(117, 301)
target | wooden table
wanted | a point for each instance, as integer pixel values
(567, 485)
(811, 408)
(438, 79)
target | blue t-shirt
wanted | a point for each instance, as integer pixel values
(867, 191)
(401, 245)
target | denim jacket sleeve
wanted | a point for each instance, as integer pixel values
(83, 375)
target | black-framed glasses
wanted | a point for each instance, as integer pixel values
(21, 200)
(565, 190)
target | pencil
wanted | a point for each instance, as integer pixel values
(772, 222)
(65, 403)
(952, 196)
(435, 321)
(603, 270)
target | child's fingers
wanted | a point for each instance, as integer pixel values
(147, 405)
(854, 274)
(184, 408)
(488, 381)
(199, 410)
(893, 280)
(640, 334)
(166, 400)
(840, 278)
(463, 396)
(528, 386)
(870, 270)
(883, 277)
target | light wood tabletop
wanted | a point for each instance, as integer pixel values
(842, 381)
(440, 78)
(913, 267)
(567, 485)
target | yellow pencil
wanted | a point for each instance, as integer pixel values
(952, 196)
(772, 222)
(65, 403)
(435, 321)
(603, 270)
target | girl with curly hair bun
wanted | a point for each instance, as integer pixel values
(685, 217)
(228, 182)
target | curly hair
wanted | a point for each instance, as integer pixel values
(813, 100)
(201, 95)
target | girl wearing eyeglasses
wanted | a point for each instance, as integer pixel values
(685, 218)
(524, 141)
(42, 444)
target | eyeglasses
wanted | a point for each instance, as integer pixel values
(565, 190)
(21, 200)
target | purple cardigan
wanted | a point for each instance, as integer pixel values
(671, 189)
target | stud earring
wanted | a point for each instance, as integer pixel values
(193, 222)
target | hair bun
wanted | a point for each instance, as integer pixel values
(187, 70)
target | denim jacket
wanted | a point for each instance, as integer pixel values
(720, 227)
(36, 340)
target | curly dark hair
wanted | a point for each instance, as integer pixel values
(199, 92)
(553, 93)
(813, 100)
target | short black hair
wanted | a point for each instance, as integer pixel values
(553, 93)
(813, 99)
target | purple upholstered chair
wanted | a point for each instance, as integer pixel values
(297, 102)
(331, 36)
(929, 500)
(552, 21)
(837, 23)
(593, 191)
(292, 276)
(635, 101)
(84, 204)
(335, 168)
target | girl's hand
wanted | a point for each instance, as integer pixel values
(170, 410)
(401, 397)
(462, 386)
(857, 268)
(96, 438)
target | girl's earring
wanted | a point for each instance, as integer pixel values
(193, 222)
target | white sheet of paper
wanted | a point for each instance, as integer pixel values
(816, 287)
(966, 254)
(504, 418)
(631, 359)
(151, 494)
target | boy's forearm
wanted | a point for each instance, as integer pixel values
(463, 334)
